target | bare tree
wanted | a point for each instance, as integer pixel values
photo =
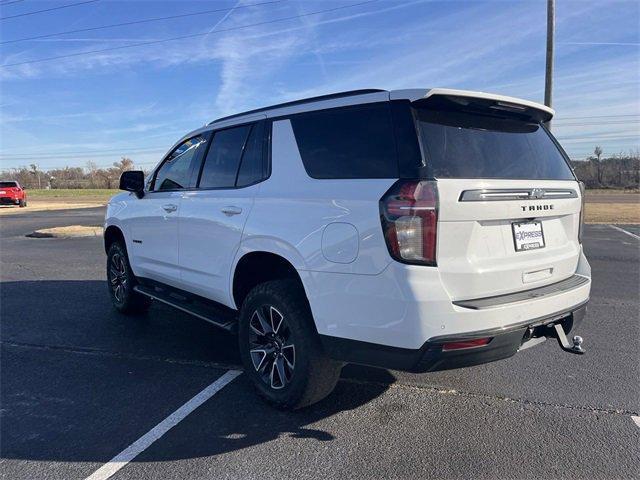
(92, 171)
(123, 165)
(615, 171)
(36, 173)
(91, 176)
(106, 176)
(598, 153)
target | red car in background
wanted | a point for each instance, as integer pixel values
(11, 193)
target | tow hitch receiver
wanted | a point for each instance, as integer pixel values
(563, 341)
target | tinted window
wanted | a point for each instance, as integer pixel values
(462, 145)
(251, 166)
(8, 184)
(221, 165)
(354, 142)
(175, 172)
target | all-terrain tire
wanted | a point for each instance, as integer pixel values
(121, 280)
(313, 376)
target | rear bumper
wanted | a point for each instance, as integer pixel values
(9, 201)
(505, 342)
(405, 306)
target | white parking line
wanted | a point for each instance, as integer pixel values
(144, 442)
(636, 420)
(624, 231)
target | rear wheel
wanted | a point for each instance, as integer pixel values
(280, 350)
(120, 280)
(22, 203)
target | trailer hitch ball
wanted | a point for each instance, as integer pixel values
(577, 343)
(563, 341)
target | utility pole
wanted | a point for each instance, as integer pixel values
(548, 79)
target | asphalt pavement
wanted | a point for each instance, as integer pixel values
(80, 383)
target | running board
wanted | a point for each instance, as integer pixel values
(206, 311)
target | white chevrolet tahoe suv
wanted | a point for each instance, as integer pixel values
(415, 230)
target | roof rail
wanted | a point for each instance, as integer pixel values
(330, 96)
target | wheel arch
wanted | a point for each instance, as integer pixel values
(261, 266)
(112, 234)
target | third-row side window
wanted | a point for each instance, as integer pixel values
(352, 142)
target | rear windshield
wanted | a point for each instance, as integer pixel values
(7, 184)
(462, 145)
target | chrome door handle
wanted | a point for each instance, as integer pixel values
(231, 210)
(170, 207)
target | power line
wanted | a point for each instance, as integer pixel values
(49, 9)
(123, 150)
(3, 4)
(164, 148)
(82, 156)
(110, 158)
(594, 138)
(136, 22)
(595, 116)
(193, 35)
(62, 167)
(583, 124)
(114, 151)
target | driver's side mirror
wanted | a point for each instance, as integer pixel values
(133, 181)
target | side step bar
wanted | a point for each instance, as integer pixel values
(206, 311)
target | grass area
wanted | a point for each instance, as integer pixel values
(612, 213)
(608, 191)
(80, 193)
(71, 231)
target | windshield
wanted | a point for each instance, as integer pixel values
(7, 184)
(463, 145)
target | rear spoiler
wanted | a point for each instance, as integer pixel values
(469, 100)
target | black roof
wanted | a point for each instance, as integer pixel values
(330, 96)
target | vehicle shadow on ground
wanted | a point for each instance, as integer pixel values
(237, 419)
(79, 378)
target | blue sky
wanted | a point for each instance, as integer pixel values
(138, 101)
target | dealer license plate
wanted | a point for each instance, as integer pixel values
(527, 235)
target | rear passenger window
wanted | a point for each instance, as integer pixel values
(175, 172)
(221, 165)
(251, 167)
(353, 142)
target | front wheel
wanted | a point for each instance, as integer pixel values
(279, 348)
(121, 281)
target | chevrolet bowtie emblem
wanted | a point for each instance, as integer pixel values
(537, 193)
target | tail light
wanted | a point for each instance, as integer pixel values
(581, 228)
(409, 214)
